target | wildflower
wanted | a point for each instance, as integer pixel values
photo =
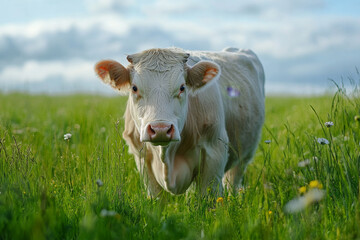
(67, 136)
(357, 118)
(220, 200)
(267, 141)
(300, 203)
(302, 190)
(304, 163)
(315, 184)
(107, 213)
(323, 141)
(268, 186)
(270, 212)
(99, 183)
(329, 124)
(232, 92)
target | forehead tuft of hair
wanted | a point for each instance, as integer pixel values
(160, 60)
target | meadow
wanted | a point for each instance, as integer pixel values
(87, 187)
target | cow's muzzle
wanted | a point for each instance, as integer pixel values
(160, 133)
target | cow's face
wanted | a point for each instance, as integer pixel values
(159, 82)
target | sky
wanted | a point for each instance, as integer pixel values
(49, 46)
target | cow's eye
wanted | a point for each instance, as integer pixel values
(182, 88)
(134, 88)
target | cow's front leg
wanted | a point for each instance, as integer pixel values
(213, 161)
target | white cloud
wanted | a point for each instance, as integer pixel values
(226, 8)
(34, 71)
(112, 23)
(106, 6)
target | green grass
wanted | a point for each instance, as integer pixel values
(48, 185)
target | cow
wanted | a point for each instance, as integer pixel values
(181, 123)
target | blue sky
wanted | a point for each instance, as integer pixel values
(51, 46)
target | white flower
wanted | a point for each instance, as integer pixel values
(322, 141)
(329, 124)
(99, 183)
(267, 141)
(106, 213)
(304, 163)
(300, 203)
(67, 136)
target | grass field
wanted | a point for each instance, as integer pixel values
(49, 186)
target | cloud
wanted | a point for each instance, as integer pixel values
(52, 77)
(35, 71)
(226, 8)
(268, 8)
(106, 6)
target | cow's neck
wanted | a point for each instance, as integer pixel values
(164, 154)
(164, 166)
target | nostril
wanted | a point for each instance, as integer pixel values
(171, 129)
(151, 131)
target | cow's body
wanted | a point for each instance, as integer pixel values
(218, 134)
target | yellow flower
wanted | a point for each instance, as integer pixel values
(270, 212)
(220, 200)
(302, 190)
(315, 184)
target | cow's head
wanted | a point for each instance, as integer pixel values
(159, 81)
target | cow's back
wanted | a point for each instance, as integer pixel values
(241, 72)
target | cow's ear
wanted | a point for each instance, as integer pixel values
(113, 73)
(202, 73)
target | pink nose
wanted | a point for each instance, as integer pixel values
(160, 132)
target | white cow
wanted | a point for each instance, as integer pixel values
(181, 121)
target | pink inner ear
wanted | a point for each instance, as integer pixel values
(102, 71)
(210, 74)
